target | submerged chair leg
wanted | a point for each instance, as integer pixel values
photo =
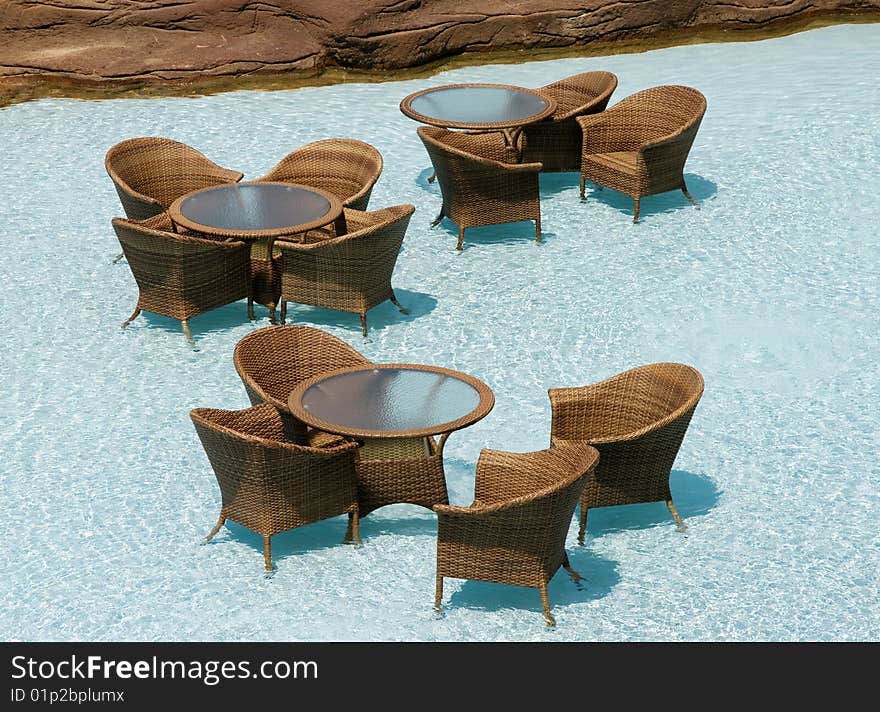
(283, 312)
(582, 531)
(575, 576)
(251, 316)
(217, 527)
(364, 323)
(272, 314)
(187, 332)
(688, 195)
(267, 553)
(438, 594)
(583, 187)
(675, 515)
(545, 599)
(436, 221)
(538, 229)
(118, 257)
(460, 239)
(400, 307)
(132, 317)
(636, 211)
(353, 532)
(432, 177)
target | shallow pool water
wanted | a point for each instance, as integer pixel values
(770, 289)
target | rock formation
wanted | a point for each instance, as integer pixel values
(117, 42)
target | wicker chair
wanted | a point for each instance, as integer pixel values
(637, 421)
(480, 181)
(514, 532)
(181, 275)
(273, 360)
(556, 141)
(151, 173)
(350, 273)
(345, 167)
(639, 146)
(270, 485)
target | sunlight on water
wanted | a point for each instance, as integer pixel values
(770, 289)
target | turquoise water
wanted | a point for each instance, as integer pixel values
(770, 289)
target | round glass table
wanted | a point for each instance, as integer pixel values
(394, 409)
(255, 210)
(259, 213)
(479, 107)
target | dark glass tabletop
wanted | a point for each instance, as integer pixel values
(391, 401)
(477, 106)
(255, 208)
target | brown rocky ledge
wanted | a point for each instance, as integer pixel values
(82, 46)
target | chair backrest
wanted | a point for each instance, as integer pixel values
(645, 397)
(345, 167)
(541, 490)
(465, 149)
(585, 93)
(504, 476)
(150, 173)
(659, 113)
(271, 361)
(152, 245)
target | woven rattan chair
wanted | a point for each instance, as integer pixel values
(345, 167)
(150, 173)
(270, 485)
(273, 360)
(637, 421)
(514, 532)
(182, 275)
(350, 273)
(480, 181)
(639, 146)
(555, 143)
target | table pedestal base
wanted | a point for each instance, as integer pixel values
(400, 470)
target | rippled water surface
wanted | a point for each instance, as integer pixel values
(770, 289)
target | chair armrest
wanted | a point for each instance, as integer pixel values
(233, 176)
(521, 167)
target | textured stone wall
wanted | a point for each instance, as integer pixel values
(106, 41)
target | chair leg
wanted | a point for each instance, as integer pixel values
(460, 239)
(251, 309)
(636, 211)
(687, 194)
(283, 312)
(271, 313)
(438, 594)
(432, 177)
(582, 531)
(583, 187)
(545, 599)
(364, 323)
(187, 332)
(267, 553)
(575, 576)
(436, 221)
(217, 527)
(131, 318)
(118, 257)
(676, 516)
(538, 229)
(353, 532)
(400, 307)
